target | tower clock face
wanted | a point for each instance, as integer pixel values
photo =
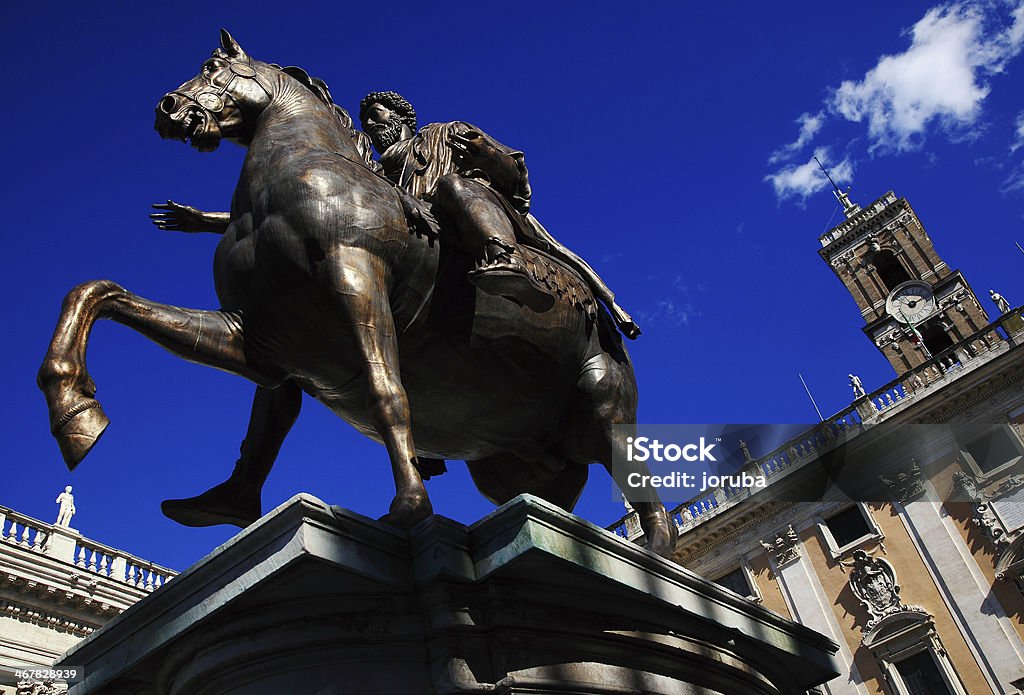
(911, 302)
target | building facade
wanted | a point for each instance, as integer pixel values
(895, 526)
(57, 588)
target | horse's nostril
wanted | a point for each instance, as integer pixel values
(167, 104)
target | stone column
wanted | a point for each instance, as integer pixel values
(808, 605)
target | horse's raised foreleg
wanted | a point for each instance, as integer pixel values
(212, 338)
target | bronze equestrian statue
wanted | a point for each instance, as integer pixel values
(328, 286)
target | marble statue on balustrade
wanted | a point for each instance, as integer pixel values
(67, 507)
(857, 385)
(1000, 301)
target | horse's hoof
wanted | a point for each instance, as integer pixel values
(213, 507)
(662, 535)
(406, 515)
(78, 430)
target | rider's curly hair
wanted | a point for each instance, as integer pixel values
(394, 102)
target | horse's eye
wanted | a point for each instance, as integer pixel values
(209, 66)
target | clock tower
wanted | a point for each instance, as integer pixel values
(914, 306)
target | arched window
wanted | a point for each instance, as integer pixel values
(936, 337)
(890, 271)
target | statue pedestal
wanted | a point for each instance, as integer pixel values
(530, 599)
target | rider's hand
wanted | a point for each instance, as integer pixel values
(469, 148)
(175, 217)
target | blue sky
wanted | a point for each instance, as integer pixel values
(670, 144)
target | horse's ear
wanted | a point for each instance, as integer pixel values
(230, 46)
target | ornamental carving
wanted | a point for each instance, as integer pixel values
(47, 687)
(906, 484)
(873, 582)
(983, 515)
(784, 547)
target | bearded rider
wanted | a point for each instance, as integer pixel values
(483, 187)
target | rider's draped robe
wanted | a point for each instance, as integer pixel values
(418, 164)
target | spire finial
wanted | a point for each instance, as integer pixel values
(850, 208)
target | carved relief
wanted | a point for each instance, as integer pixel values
(906, 484)
(984, 516)
(873, 582)
(784, 547)
(47, 687)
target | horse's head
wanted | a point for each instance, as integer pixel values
(222, 101)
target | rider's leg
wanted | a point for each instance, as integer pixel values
(487, 233)
(237, 500)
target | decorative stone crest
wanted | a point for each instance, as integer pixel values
(873, 582)
(784, 547)
(906, 484)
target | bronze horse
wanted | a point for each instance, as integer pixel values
(325, 289)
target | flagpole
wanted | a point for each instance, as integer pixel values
(820, 418)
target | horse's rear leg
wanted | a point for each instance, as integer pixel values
(606, 397)
(238, 500)
(213, 338)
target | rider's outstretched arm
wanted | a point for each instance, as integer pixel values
(175, 217)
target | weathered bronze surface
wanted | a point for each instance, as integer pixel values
(332, 283)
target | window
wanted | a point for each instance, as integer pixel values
(995, 449)
(890, 271)
(910, 654)
(848, 528)
(936, 338)
(741, 581)
(921, 676)
(735, 581)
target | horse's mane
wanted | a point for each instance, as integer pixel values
(319, 89)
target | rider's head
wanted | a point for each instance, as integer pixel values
(387, 118)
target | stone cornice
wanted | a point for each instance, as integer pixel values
(51, 619)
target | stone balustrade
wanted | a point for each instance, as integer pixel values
(995, 339)
(68, 545)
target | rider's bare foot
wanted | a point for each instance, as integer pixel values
(223, 504)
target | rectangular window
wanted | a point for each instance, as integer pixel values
(736, 581)
(848, 526)
(921, 675)
(996, 448)
(741, 581)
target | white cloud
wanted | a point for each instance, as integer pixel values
(1019, 133)
(940, 79)
(803, 180)
(809, 127)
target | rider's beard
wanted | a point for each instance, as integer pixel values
(385, 137)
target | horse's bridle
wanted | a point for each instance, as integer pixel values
(213, 101)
